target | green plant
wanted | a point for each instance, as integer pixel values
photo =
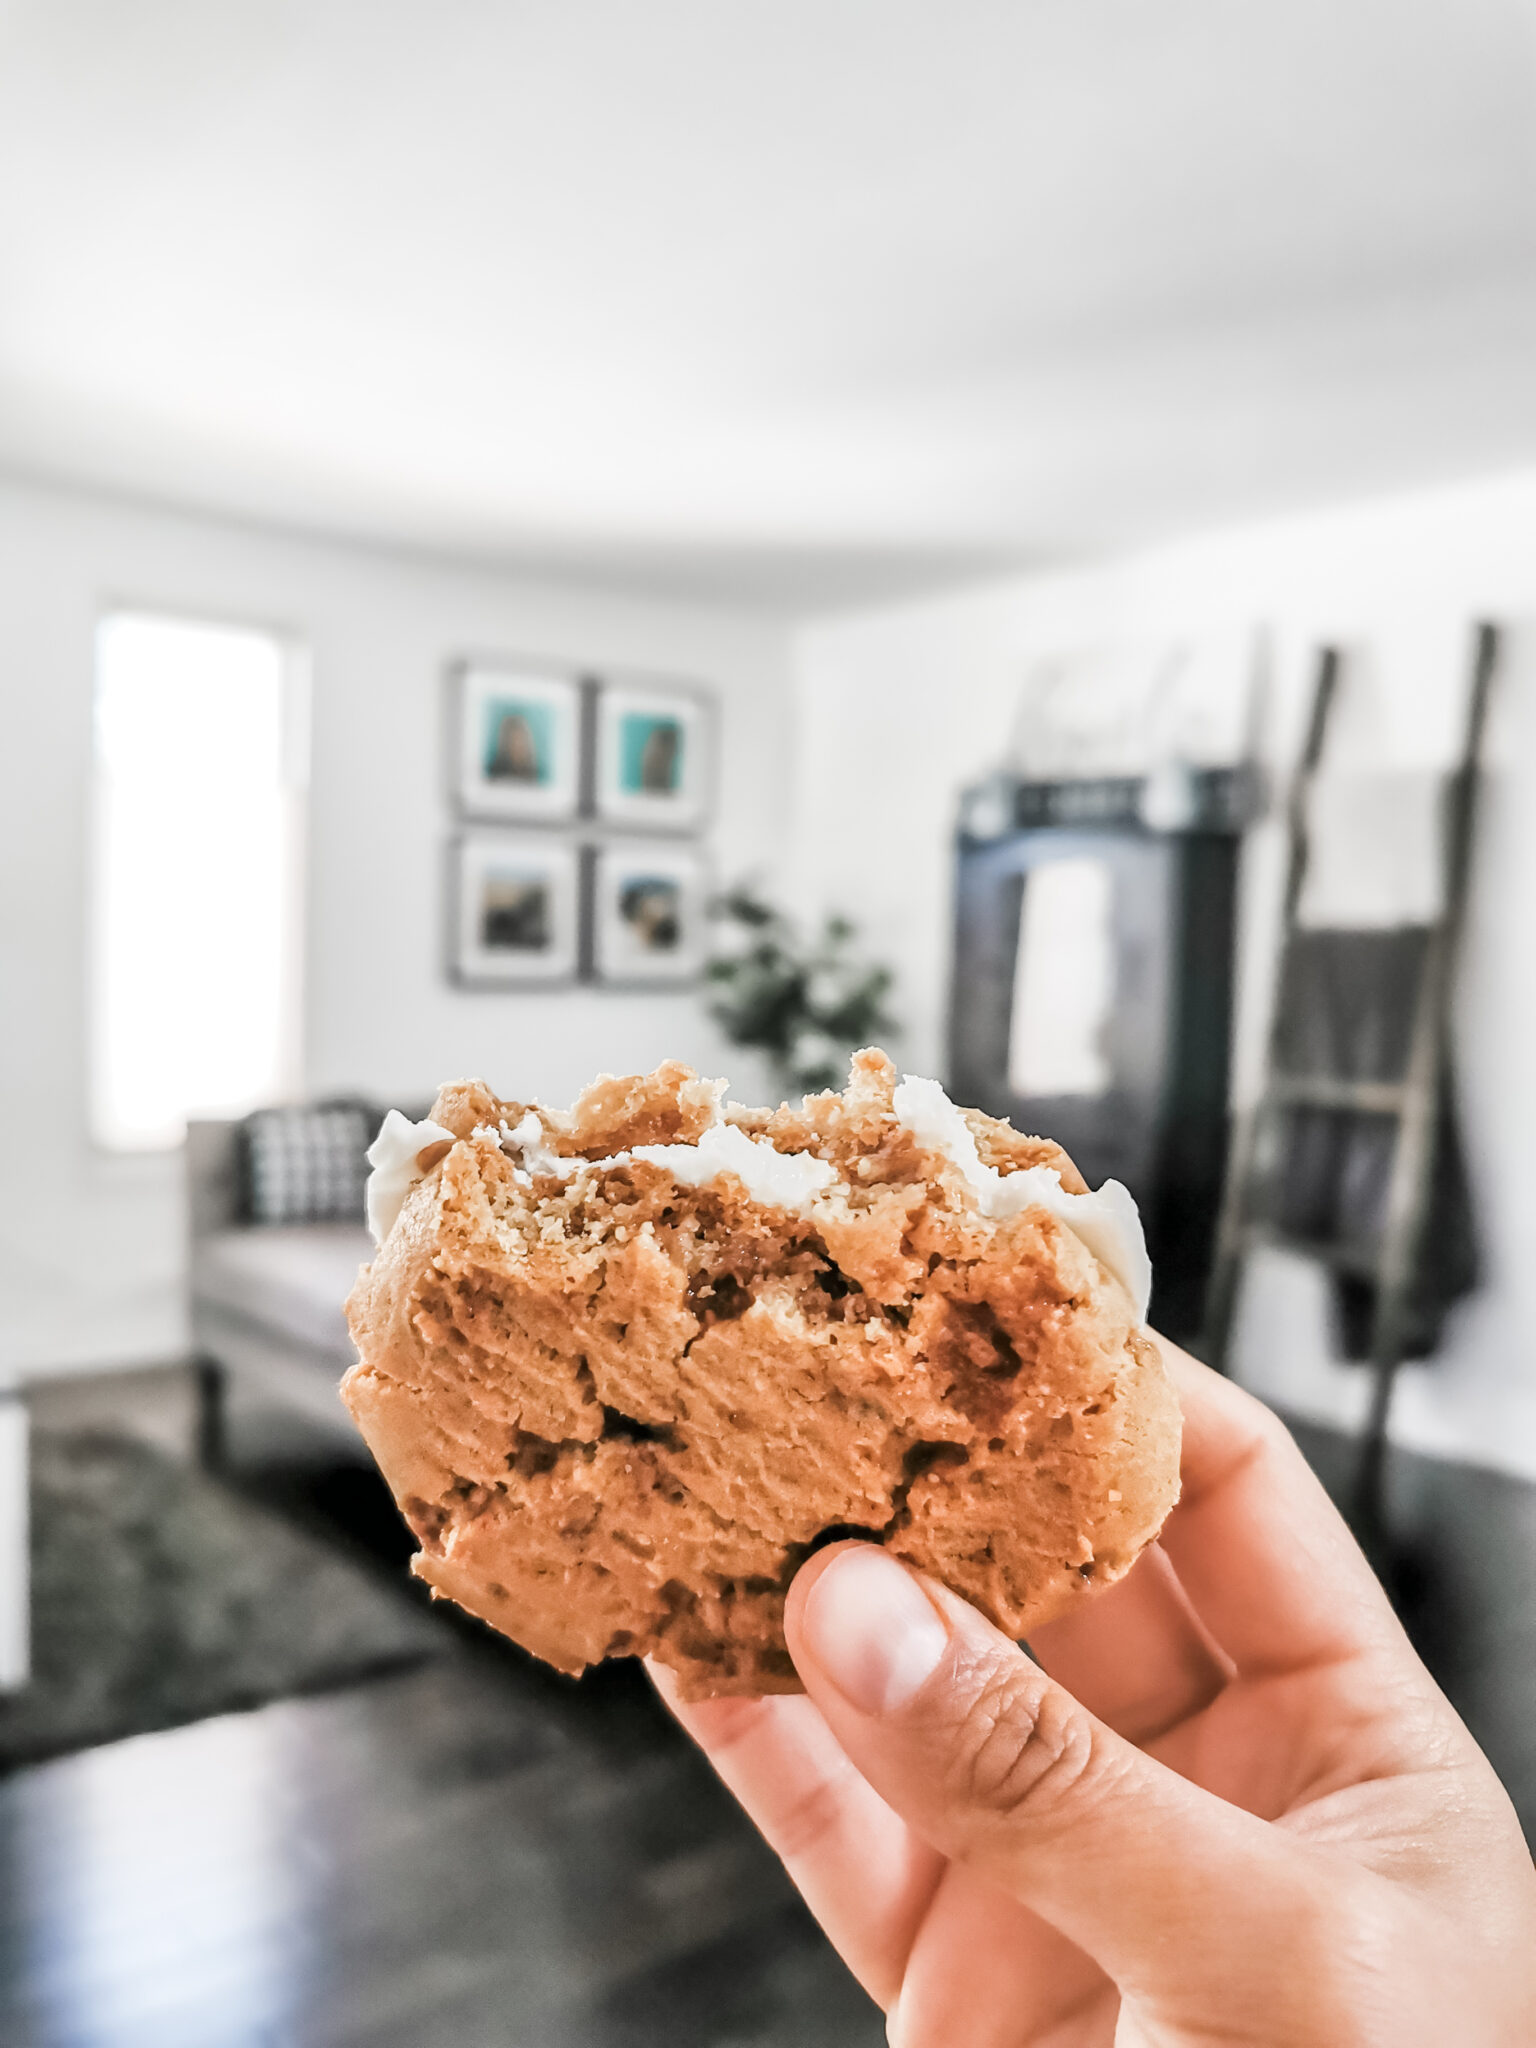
(808, 1006)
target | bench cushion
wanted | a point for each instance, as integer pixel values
(292, 1279)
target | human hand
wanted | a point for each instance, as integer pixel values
(1224, 1803)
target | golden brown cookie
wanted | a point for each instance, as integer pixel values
(625, 1367)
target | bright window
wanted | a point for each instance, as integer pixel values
(199, 772)
(1064, 980)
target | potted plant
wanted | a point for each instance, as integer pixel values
(807, 1005)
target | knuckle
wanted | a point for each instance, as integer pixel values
(1025, 1749)
(733, 1725)
(804, 1822)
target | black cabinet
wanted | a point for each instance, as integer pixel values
(1155, 1113)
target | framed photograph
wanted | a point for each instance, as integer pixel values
(655, 755)
(649, 905)
(517, 742)
(515, 919)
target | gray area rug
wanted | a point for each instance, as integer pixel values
(161, 1597)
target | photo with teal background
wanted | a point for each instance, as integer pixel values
(518, 741)
(650, 754)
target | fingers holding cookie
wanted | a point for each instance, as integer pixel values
(864, 1874)
(1138, 1657)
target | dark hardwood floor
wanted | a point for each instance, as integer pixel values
(479, 1855)
(441, 1858)
(1457, 1553)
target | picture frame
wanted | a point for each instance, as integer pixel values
(650, 904)
(518, 741)
(515, 911)
(654, 760)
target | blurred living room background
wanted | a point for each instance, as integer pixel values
(538, 539)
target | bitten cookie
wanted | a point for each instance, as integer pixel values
(626, 1367)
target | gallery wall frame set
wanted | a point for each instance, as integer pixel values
(557, 755)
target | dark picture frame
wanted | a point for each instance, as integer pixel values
(649, 913)
(654, 755)
(518, 741)
(515, 910)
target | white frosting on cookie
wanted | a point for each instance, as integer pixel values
(393, 1155)
(537, 1156)
(1107, 1221)
(780, 1180)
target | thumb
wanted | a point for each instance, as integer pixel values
(1165, 1886)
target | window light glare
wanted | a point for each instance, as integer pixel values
(195, 824)
(1064, 980)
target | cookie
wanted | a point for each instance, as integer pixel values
(625, 1367)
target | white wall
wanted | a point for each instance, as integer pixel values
(900, 707)
(90, 1245)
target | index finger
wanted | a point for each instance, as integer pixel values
(857, 1865)
(1266, 1559)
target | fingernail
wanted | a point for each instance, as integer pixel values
(870, 1628)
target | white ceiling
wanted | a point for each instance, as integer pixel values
(800, 300)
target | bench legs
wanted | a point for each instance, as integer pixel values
(15, 1575)
(212, 1435)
